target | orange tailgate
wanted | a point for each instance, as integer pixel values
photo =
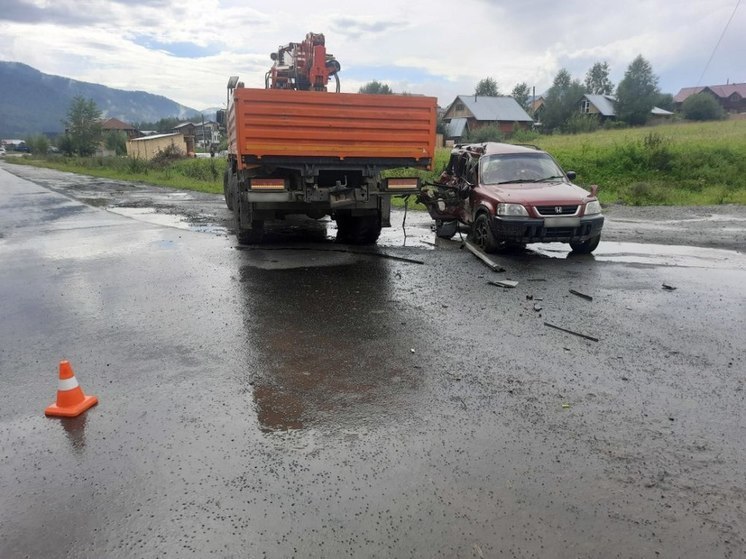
(275, 122)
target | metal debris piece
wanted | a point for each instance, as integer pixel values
(565, 406)
(503, 283)
(537, 307)
(668, 287)
(483, 257)
(586, 336)
(345, 250)
(581, 295)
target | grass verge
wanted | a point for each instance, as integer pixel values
(674, 164)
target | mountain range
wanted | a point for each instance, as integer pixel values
(32, 102)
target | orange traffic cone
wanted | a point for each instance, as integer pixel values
(71, 401)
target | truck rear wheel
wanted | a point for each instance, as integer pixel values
(228, 179)
(248, 230)
(358, 229)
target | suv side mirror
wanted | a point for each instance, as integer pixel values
(571, 175)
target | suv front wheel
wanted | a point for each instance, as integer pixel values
(482, 234)
(586, 247)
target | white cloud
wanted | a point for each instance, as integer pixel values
(448, 46)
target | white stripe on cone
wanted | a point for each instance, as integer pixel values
(67, 384)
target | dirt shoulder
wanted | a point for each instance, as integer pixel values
(704, 226)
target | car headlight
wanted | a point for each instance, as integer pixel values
(593, 208)
(512, 209)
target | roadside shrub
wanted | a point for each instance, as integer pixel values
(644, 194)
(489, 133)
(658, 153)
(580, 123)
(524, 136)
(614, 125)
(702, 107)
(201, 169)
(168, 155)
(136, 166)
(39, 145)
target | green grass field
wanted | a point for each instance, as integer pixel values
(675, 164)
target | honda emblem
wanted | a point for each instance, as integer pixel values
(558, 209)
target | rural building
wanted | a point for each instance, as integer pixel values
(731, 96)
(207, 134)
(116, 125)
(537, 108)
(148, 147)
(471, 112)
(604, 107)
(185, 128)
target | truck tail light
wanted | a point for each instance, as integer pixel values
(267, 184)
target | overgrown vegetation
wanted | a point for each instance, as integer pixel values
(702, 107)
(676, 164)
(203, 174)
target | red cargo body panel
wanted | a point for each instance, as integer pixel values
(287, 123)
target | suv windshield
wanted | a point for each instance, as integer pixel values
(518, 167)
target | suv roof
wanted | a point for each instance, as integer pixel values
(487, 148)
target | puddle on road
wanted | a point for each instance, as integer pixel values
(151, 215)
(416, 232)
(651, 255)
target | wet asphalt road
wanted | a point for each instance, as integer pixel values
(297, 400)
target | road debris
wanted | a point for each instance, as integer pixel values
(504, 283)
(537, 307)
(566, 406)
(668, 287)
(586, 336)
(483, 257)
(581, 295)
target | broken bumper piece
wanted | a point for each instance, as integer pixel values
(531, 230)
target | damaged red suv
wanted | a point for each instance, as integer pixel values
(511, 195)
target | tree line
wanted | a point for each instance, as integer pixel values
(636, 95)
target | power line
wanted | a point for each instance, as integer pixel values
(738, 3)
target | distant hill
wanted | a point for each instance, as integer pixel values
(32, 102)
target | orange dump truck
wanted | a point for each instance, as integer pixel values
(321, 153)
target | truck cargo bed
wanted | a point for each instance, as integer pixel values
(308, 124)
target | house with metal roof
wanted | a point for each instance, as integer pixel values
(731, 96)
(471, 112)
(604, 107)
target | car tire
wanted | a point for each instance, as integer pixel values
(445, 229)
(481, 233)
(586, 247)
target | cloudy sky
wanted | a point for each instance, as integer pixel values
(186, 49)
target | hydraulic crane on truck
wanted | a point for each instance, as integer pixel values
(305, 66)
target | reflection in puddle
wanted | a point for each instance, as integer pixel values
(320, 347)
(651, 255)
